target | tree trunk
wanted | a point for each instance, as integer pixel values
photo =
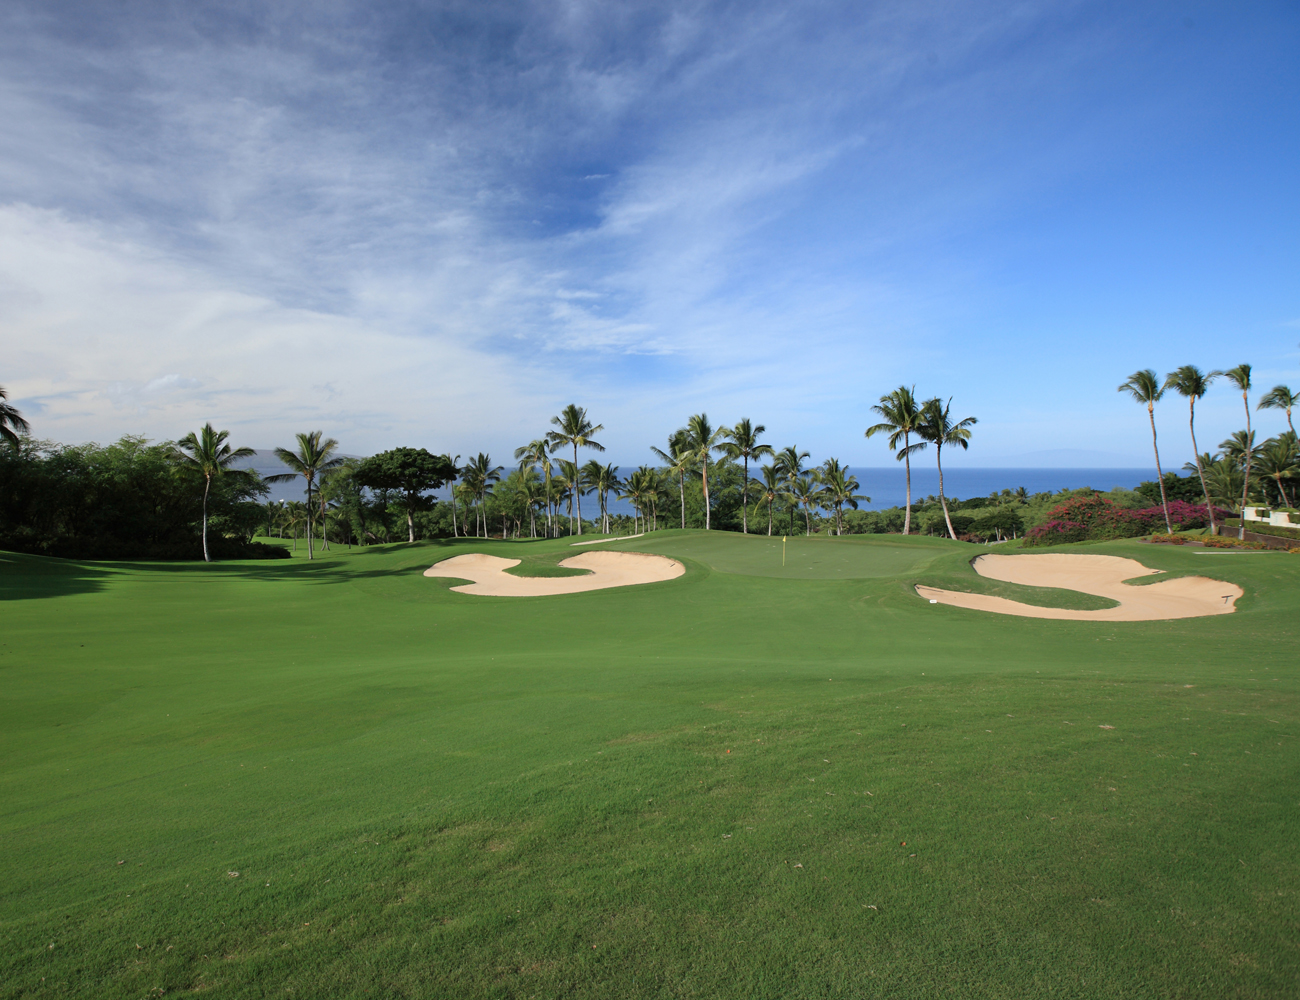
(1164, 501)
(769, 519)
(309, 527)
(1245, 487)
(682, 480)
(907, 462)
(744, 501)
(207, 485)
(707, 518)
(577, 494)
(1200, 473)
(938, 459)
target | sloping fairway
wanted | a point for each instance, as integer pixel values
(342, 779)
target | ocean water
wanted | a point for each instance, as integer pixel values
(886, 485)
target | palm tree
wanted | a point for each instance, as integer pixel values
(1277, 398)
(936, 428)
(679, 460)
(1222, 477)
(803, 491)
(1240, 377)
(1278, 460)
(1145, 388)
(209, 455)
(466, 493)
(1189, 381)
(530, 491)
(325, 507)
(295, 513)
(313, 457)
(11, 421)
(902, 417)
(576, 430)
(479, 474)
(770, 490)
(603, 479)
(789, 462)
(451, 494)
(742, 442)
(538, 453)
(702, 440)
(840, 488)
(637, 489)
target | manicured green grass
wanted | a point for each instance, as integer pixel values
(700, 788)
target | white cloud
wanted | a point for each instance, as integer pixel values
(107, 339)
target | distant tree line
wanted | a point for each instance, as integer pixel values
(189, 498)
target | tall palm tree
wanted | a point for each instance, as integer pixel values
(840, 488)
(603, 479)
(703, 440)
(538, 453)
(789, 462)
(315, 455)
(902, 416)
(479, 474)
(1145, 388)
(1240, 377)
(1277, 398)
(576, 430)
(936, 427)
(678, 460)
(451, 494)
(11, 421)
(1191, 382)
(742, 443)
(770, 490)
(209, 455)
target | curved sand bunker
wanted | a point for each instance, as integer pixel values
(1102, 576)
(607, 569)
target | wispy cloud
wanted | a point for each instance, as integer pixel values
(439, 222)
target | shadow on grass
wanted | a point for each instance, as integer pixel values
(24, 577)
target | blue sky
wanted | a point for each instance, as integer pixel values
(437, 223)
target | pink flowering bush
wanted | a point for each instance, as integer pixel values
(1095, 518)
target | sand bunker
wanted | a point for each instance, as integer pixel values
(1102, 576)
(607, 569)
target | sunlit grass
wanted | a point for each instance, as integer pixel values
(729, 784)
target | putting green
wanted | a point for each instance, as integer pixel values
(344, 779)
(852, 557)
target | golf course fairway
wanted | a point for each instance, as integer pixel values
(342, 778)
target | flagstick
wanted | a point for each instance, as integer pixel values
(783, 550)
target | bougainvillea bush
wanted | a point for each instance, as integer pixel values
(1095, 518)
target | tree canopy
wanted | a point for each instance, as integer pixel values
(412, 472)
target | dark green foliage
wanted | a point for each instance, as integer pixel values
(1176, 488)
(1263, 528)
(410, 473)
(126, 500)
